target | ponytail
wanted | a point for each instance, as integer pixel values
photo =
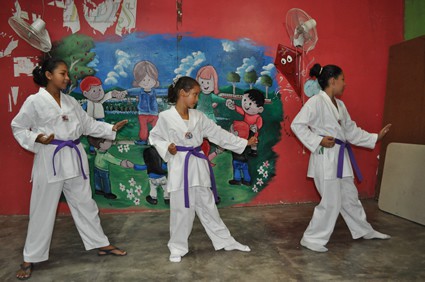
(39, 72)
(323, 74)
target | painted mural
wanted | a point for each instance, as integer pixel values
(129, 78)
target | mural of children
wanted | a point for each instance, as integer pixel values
(92, 89)
(157, 172)
(251, 107)
(102, 161)
(240, 161)
(207, 78)
(145, 79)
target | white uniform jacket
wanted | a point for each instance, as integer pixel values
(171, 128)
(40, 113)
(319, 117)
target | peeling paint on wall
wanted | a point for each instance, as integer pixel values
(13, 97)
(23, 65)
(101, 17)
(127, 19)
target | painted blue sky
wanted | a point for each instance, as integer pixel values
(115, 59)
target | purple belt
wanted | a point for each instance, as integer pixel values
(196, 152)
(73, 145)
(347, 145)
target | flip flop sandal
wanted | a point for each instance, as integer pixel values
(110, 252)
(27, 270)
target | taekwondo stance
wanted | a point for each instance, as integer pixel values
(49, 124)
(178, 136)
(324, 126)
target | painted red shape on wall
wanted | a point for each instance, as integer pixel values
(287, 62)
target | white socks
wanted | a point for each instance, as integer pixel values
(237, 246)
(175, 258)
(314, 247)
(321, 249)
(376, 235)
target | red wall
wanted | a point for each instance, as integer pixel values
(355, 35)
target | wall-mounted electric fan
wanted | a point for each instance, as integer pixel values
(301, 29)
(35, 34)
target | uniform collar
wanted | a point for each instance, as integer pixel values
(330, 105)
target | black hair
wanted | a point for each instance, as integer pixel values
(95, 141)
(185, 82)
(39, 72)
(256, 96)
(323, 74)
(153, 161)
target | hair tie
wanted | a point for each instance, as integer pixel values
(175, 80)
(320, 72)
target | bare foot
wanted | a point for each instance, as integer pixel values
(238, 247)
(25, 271)
(111, 250)
(376, 235)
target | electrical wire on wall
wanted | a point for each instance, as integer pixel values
(179, 23)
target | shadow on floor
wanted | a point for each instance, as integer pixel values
(272, 232)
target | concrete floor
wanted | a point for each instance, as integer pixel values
(272, 232)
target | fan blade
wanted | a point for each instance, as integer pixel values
(35, 35)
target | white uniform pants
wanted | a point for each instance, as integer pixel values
(154, 183)
(181, 220)
(44, 202)
(338, 196)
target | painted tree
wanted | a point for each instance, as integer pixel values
(75, 51)
(233, 78)
(250, 77)
(266, 81)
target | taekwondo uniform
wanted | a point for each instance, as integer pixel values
(58, 172)
(171, 128)
(319, 117)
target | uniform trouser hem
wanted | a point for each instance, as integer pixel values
(222, 246)
(100, 245)
(44, 201)
(339, 196)
(87, 248)
(361, 236)
(203, 205)
(35, 260)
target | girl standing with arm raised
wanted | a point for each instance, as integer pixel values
(324, 126)
(49, 124)
(177, 137)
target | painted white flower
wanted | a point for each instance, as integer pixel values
(260, 170)
(255, 188)
(120, 149)
(265, 174)
(130, 194)
(126, 147)
(266, 164)
(122, 187)
(132, 182)
(260, 181)
(138, 190)
(136, 201)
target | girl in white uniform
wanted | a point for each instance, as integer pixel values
(324, 126)
(49, 124)
(177, 137)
